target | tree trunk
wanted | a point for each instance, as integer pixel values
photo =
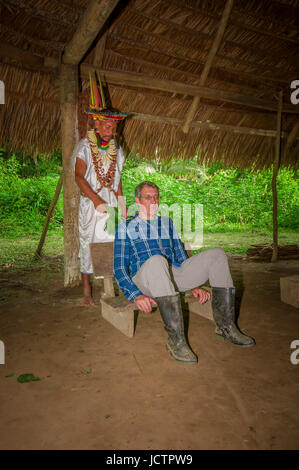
(69, 133)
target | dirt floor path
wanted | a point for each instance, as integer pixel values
(102, 390)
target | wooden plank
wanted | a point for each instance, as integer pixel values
(102, 258)
(289, 290)
(108, 287)
(120, 302)
(123, 320)
(130, 79)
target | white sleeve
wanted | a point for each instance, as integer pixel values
(81, 152)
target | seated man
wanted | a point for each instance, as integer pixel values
(148, 254)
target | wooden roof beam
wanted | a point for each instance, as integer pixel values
(216, 43)
(129, 79)
(90, 24)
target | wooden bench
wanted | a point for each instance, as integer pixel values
(116, 309)
(289, 290)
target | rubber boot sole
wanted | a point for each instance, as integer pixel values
(224, 338)
(179, 360)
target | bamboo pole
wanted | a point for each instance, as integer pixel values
(274, 179)
(48, 218)
(216, 43)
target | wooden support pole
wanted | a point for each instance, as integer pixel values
(69, 137)
(48, 218)
(208, 64)
(91, 23)
(274, 179)
(89, 27)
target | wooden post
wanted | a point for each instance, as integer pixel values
(49, 215)
(90, 25)
(274, 178)
(69, 136)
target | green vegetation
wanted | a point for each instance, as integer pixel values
(237, 205)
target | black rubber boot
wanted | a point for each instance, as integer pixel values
(171, 312)
(223, 306)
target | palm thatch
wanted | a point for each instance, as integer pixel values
(151, 55)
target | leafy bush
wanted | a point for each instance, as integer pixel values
(233, 200)
(24, 202)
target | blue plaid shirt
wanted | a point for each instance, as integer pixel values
(136, 240)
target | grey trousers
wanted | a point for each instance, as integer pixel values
(156, 278)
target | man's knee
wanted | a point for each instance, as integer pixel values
(157, 260)
(218, 253)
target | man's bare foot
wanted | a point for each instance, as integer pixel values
(88, 302)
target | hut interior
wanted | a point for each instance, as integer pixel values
(216, 79)
(196, 77)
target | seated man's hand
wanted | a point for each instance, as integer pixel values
(145, 303)
(202, 295)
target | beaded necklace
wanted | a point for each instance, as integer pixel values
(105, 179)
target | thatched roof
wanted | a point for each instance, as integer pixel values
(154, 57)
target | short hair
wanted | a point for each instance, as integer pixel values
(140, 186)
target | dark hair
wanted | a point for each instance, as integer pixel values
(140, 186)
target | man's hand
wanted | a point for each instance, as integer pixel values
(145, 303)
(202, 295)
(100, 207)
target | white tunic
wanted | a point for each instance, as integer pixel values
(91, 222)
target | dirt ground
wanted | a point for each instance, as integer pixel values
(102, 390)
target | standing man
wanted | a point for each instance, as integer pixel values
(98, 164)
(151, 266)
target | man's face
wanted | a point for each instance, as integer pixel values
(148, 202)
(106, 129)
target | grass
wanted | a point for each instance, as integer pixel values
(19, 252)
